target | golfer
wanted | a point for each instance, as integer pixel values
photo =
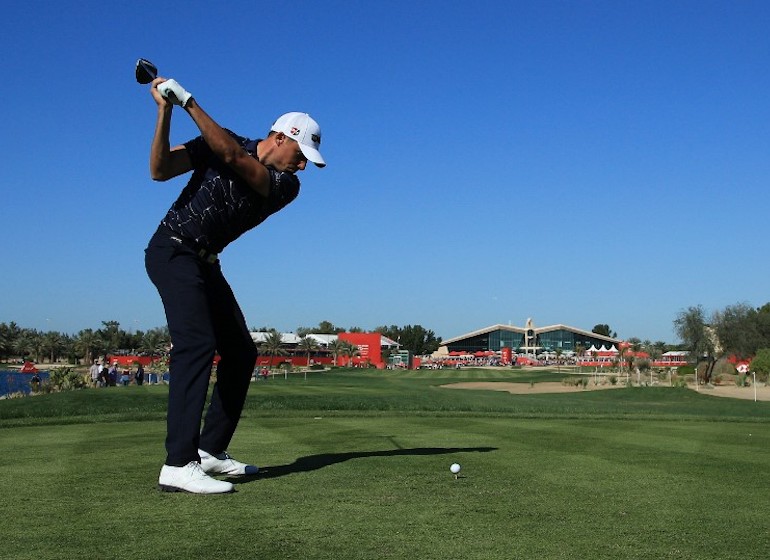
(236, 184)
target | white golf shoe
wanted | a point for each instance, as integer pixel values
(222, 463)
(191, 478)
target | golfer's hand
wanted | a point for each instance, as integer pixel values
(159, 99)
(174, 92)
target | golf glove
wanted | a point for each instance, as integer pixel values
(174, 92)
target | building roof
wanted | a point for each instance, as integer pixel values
(522, 330)
(323, 339)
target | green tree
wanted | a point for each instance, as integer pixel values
(307, 345)
(111, 335)
(635, 343)
(415, 338)
(324, 327)
(580, 350)
(691, 326)
(761, 362)
(155, 342)
(657, 349)
(89, 344)
(52, 343)
(336, 347)
(604, 330)
(273, 345)
(29, 345)
(351, 351)
(737, 328)
(9, 336)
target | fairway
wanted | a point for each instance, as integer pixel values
(356, 465)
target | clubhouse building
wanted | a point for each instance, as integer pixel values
(506, 340)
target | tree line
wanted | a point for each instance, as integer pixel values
(88, 344)
(85, 346)
(415, 338)
(738, 330)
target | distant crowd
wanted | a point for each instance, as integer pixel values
(106, 375)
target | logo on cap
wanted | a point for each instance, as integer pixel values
(294, 131)
(316, 138)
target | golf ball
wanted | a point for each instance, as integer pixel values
(454, 468)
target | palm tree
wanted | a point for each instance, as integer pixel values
(273, 345)
(85, 343)
(350, 350)
(621, 356)
(580, 350)
(111, 334)
(156, 342)
(308, 345)
(29, 345)
(336, 347)
(9, 333)
(53, 343)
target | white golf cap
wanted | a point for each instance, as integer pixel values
(302, 128)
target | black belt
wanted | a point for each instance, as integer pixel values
(202, 252)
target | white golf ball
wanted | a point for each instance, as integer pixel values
(454, 468)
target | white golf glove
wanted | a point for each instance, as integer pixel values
(174, 92)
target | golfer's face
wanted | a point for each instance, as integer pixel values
(289, 156)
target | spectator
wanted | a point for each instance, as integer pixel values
(139, 375)
(95, 373)
(35, 383)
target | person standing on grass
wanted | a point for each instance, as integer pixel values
(139, 374)
(95, 373)
(236, 184)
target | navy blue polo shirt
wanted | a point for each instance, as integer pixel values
(217, 206)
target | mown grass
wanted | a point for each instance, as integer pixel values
(356, 466)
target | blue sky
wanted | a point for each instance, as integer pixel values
(575, 162)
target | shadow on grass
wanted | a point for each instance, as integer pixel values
(315, 462)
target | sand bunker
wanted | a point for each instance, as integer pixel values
(762, 393)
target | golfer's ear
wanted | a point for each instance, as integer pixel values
(279, 137)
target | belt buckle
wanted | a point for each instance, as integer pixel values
(210, 258)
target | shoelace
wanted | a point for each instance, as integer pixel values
(197, 470)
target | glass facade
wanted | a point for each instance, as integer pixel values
(564, 339)
(494, 340)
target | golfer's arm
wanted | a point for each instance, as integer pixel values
(229, 151)
(166, 163)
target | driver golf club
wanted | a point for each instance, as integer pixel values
(146, 71)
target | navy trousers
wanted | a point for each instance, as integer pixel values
(203, 318)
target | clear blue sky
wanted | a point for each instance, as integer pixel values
(575, 162)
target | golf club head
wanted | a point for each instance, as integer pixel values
(146, 71)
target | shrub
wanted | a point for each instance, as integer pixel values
(613, 379)
(66, 378)
(761, 363)
(678, 381)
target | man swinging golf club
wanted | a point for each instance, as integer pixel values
(236, 184)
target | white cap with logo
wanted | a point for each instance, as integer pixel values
(302, 128)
